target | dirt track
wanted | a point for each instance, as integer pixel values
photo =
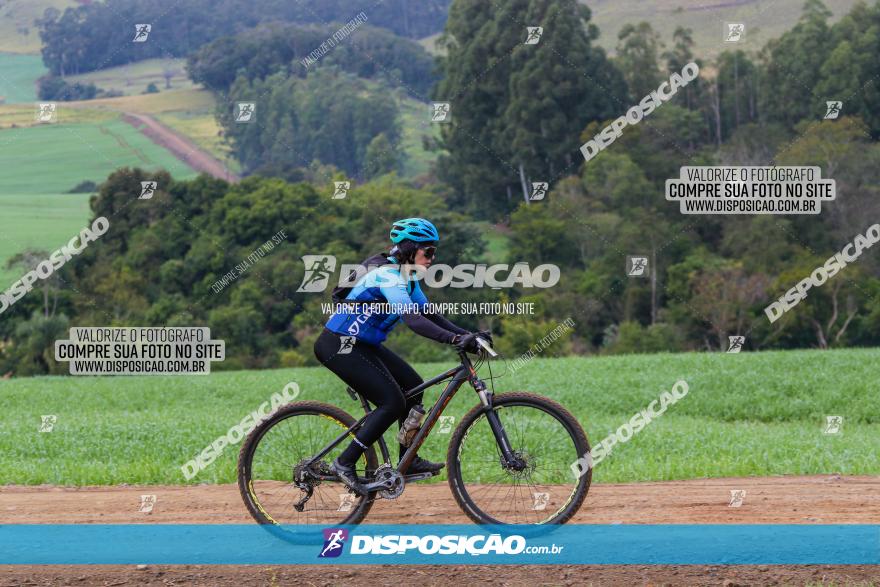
(791, 500)
(179, 146)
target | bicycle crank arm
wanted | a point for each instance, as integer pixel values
(385, 484)
(418, 476)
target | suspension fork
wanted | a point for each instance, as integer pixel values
(486, 399)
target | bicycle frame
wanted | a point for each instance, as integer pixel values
(457, 376)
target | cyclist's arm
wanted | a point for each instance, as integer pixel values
(395, 293)
(418, 296)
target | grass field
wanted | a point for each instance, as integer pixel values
(42, 162)
(52, 158)
(40, 221)
(707, 20)
(18, 77)
(17, 31)
(133, 78)
(747, 414)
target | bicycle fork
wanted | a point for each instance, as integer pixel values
(509, 458)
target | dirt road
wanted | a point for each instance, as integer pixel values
(180, 146)
(770, 500)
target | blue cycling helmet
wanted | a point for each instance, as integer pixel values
(414, 229)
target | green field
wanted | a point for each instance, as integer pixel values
(42, 162)
(18, 77)
(746, 414)
(53, 158)
(133, 78)
(39, 221)
(17, 31)
(763, 20)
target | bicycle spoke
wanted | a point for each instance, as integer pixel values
(536, 493)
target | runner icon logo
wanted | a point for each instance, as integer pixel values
(636, 266)
(833, 424)
(832, 109)
(534, 34)
(141, 33)
(346, 344)
(341, 189)
(446, 423)
(735, 32)
(540, 501)
(334, 538)
(245, 111)
(148, 188)
(48, 423)
(319, 268)
(736, 343)
(539, 190)
(440, 112)
(737, 496)
(46, 111)
(346, 502)
(147, 503)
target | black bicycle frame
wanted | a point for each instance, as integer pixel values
(457, 375)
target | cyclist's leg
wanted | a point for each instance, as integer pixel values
(364, 371)
(406, 378)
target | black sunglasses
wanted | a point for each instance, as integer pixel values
(429, 251)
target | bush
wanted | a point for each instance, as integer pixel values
(152, 89)
(55, 88)
(632, 337)
(84, 187)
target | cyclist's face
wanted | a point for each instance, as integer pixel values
(425, 256)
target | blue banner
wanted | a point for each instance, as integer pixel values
(719, 544)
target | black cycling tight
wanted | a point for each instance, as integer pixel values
(377, 373)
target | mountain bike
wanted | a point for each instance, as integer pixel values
(509, 459)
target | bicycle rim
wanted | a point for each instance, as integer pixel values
(546, 491)
(277, 453)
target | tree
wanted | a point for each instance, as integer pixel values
(28, 260)
(381, 157)
(638, 58)
(513, 104)
(794, 64)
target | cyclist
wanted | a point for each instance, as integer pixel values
(367, 366)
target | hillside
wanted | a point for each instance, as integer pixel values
(17, 31)
(764, 20)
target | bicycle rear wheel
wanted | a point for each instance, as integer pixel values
(546, 437)
(277, 486)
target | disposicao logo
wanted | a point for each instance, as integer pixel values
(334, 539)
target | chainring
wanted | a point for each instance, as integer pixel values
(386, 472)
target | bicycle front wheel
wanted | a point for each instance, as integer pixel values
(543, 489)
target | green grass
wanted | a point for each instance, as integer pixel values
(17, 31)
(707, 20)
(40, 221)
(18, 77)
(53, 158)
(415, 124)
(133, 78)
(748, 414)
(42, 162)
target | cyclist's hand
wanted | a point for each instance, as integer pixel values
(467, 343)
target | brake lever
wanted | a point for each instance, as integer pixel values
(481, 342)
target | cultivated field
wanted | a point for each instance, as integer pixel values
(752, 414)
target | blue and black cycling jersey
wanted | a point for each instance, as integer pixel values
(383, 285)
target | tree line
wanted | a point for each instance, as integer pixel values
(97, 35)
(708, 278)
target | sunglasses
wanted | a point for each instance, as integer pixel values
(429, 251)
